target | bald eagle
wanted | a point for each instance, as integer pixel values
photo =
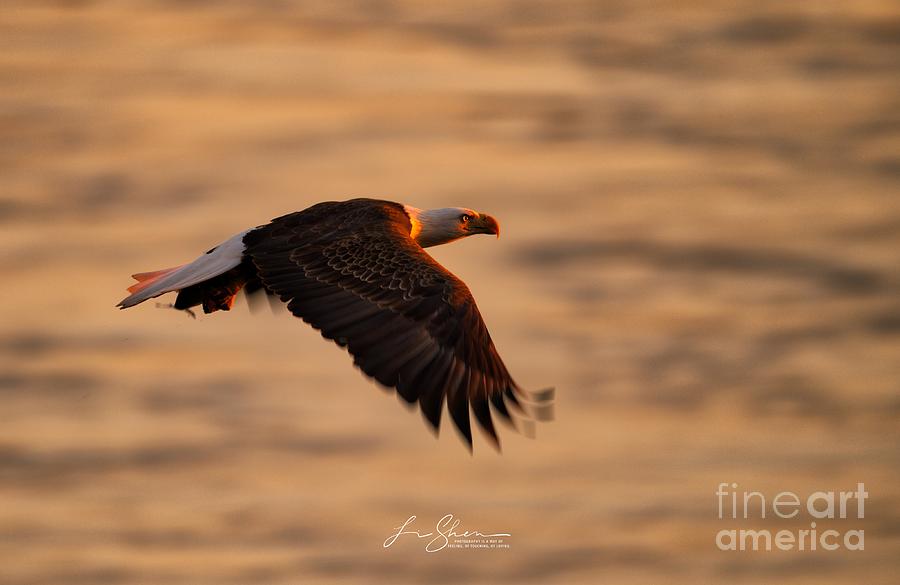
(357, 271)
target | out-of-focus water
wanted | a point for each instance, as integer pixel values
(701, 251)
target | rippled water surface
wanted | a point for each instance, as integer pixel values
(701, 251)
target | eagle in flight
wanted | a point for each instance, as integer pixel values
(357, 271)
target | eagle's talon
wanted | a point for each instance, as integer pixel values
(172, 306)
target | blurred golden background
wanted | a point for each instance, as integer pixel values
(701, 251)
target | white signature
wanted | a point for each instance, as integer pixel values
(445, 529)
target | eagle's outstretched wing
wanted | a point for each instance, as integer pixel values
(351, 270)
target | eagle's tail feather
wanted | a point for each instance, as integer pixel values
(145, 279)
(221, 259)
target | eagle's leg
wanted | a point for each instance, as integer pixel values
(215, 294)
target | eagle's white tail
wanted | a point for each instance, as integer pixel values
(219, 260)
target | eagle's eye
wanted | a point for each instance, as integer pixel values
(465, 218)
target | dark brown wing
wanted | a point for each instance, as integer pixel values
(351, 270)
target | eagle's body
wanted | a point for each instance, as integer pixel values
(357, 271)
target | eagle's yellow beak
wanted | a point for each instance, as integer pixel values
(485, 224)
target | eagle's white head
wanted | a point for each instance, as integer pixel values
(431, 227)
